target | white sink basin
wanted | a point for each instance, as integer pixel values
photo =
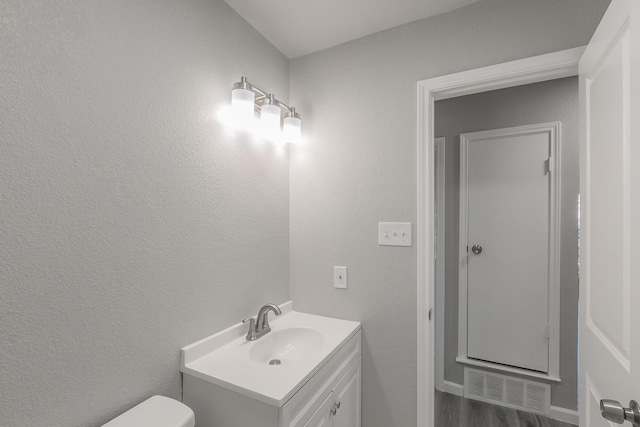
(290, 345)
(273, 367)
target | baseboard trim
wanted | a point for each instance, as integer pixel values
(453, 388)
(563, 414)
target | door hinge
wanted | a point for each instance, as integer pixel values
(435, 246)
(548, 165)
(548, 331)
(430, 313)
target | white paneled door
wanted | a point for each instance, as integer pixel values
(610, 220)
(506, 244)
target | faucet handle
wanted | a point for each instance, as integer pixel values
(251, 334)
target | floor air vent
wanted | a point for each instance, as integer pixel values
(508, 391)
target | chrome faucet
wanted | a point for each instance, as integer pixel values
(261, 327)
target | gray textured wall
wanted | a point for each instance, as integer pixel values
(359, 167)
(555, 100)
(131, 224)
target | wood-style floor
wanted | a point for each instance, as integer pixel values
(456, 411)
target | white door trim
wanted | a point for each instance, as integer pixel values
(553, 279)
(438, 310)
(530, 70)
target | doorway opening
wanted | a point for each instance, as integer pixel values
(537, 69)
(498, 331)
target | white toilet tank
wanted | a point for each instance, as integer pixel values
(156, 411)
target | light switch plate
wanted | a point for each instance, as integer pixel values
(340, 277)
(394, 233)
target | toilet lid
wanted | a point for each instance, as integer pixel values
(156, 411)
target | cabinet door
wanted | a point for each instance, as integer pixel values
(347, 399)
(323, 416)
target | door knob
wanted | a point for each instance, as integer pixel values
(612, 410)
(476, 249)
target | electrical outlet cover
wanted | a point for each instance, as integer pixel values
(340, 277)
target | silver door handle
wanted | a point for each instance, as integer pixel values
(476, 249)
(612, 410)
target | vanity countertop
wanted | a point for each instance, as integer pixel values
(302, 343)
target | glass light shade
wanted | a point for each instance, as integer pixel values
(270, 120)
(242, 101)
(292, 129)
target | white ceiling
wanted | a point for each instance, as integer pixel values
(298, 27)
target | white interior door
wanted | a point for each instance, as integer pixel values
(507, 245)
(610, 207)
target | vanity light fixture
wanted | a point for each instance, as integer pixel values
(270, 118)
(246, 99)
(292, 127)
(242, 101)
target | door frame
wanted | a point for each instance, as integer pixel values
(439, 233)
(535, 69)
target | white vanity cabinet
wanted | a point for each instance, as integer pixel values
(335, 384)
(342, 407)
(328, 394)
(348, 396)
(324, 415)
